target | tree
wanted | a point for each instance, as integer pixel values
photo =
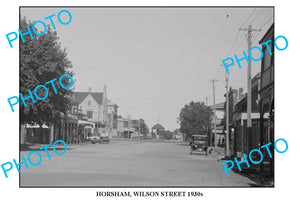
(195, 119)
(42, 59)
(166, 134)
(141, 126)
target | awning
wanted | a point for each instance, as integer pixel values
(86, 122)
(36, 126)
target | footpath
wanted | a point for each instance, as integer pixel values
(259, 174)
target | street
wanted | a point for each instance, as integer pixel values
(128, 163)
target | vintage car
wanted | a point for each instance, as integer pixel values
(104, 137)
(199, 143)
(94, 137)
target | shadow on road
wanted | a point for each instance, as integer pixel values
(32, 147)
(182, 144)
(199, 153)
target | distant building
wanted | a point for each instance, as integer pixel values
(124, 127)
(112, 116)
(220, 115)
(93, 104)
(98, 110)
(156, 130)
(177, 135)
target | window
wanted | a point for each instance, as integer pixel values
(90, 114)
(267, 77)
(267, 58)
(89, 103)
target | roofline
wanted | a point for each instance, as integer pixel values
(267, 33)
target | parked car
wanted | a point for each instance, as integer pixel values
(94, 137)
(104, 139)
(199, 143)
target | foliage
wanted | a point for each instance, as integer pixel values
(166, 134)
(195, 119)
(41, 60)
(140, 124)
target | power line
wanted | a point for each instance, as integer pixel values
(239, 31)
(257, 16)
(166, 58)
(237, 35)
(254, 39)
(266, 22)
(248, 17)
(218, 67)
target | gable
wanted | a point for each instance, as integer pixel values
(79, 97)
(91, 99)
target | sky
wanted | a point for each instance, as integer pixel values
(156, 60)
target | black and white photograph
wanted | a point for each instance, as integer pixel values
(146, 96)
(149, 106)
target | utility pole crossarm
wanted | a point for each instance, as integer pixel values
(246, 29)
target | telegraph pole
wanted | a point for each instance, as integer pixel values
(215, 127)
(139, 127)
(227, 153)
(128, 117)
(128, 127)
(206, 98)
(249, 104)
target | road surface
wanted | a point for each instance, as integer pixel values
(128, 163)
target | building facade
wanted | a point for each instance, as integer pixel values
(89, 110)
(112, 118)
(124, 127)
(93, 105)
(266, 97)
(234, 97)
(240, 143)
(220, 115)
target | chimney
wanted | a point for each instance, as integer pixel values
(240, 96)
(90, 89)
